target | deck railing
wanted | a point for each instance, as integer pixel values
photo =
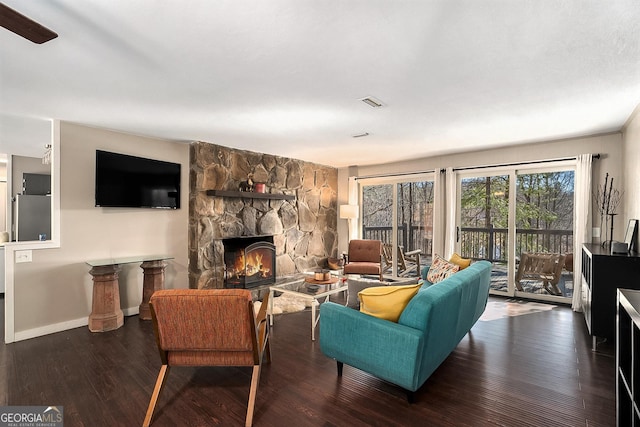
(410, 238)
(479, 243)
(491, 243)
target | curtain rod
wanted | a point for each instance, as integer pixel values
(394, 174)
(532, 162)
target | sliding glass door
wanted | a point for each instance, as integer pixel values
(521, 220)
(544, 233)
(399, 212)
(483, 230)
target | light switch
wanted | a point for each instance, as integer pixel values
(23, 256)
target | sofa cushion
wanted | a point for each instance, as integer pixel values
(459, 261)
(386, 302)
(441, 269)
(364, 251)
(361, 267)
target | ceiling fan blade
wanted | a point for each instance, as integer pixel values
(23, 26)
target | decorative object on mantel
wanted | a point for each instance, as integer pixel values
(607, 200)
(259, 187)
(248, 184)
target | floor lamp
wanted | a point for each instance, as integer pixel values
(350, 213)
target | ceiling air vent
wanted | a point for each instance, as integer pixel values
(372, 102)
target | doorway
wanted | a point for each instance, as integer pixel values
(521, 220)
(399, 212)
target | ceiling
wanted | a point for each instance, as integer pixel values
(286, 77)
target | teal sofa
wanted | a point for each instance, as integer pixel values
(406, 353)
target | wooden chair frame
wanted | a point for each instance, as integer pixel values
(544, 267)
(261, 349)
(407, 261)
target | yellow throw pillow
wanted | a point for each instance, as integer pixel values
(459, 261)
(386, 302)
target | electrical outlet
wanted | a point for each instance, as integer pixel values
(23, 256)
(596, 232)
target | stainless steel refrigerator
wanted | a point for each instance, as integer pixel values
(33, 217)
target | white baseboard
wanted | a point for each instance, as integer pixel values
(131, 311)
(50, 329)
(64, 326)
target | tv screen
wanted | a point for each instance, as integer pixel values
(135, 182)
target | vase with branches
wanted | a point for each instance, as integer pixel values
(607, 200)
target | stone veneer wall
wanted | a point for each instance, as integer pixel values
(304, 229)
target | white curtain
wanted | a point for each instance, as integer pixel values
(451, 203)
(439, 214)
(582, 208)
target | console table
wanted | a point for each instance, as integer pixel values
(106, 314)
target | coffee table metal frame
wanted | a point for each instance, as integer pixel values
(301, 289)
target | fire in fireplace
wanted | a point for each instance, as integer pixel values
(249, 261)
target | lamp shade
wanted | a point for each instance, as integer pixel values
(349, 211)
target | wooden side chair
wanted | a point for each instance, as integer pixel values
(214, 327)
(544, 267)
(407, 261)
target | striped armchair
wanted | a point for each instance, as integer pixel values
(215, 327)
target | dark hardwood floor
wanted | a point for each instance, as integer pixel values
(531, 370)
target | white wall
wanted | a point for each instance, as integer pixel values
(631, 167)
(609, 146)
(54, 292)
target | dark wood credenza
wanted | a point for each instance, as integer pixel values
(602, 274)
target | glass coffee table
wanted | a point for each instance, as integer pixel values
(310, 290)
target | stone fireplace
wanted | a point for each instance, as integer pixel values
(249, 261)
(298, 209)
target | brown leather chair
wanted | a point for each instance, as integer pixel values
(364, 257)
(213, 327)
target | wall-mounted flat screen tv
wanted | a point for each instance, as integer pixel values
(125, 181)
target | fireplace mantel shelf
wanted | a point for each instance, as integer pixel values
(249, 195)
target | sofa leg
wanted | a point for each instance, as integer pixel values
(411, 397)
(340, 366)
